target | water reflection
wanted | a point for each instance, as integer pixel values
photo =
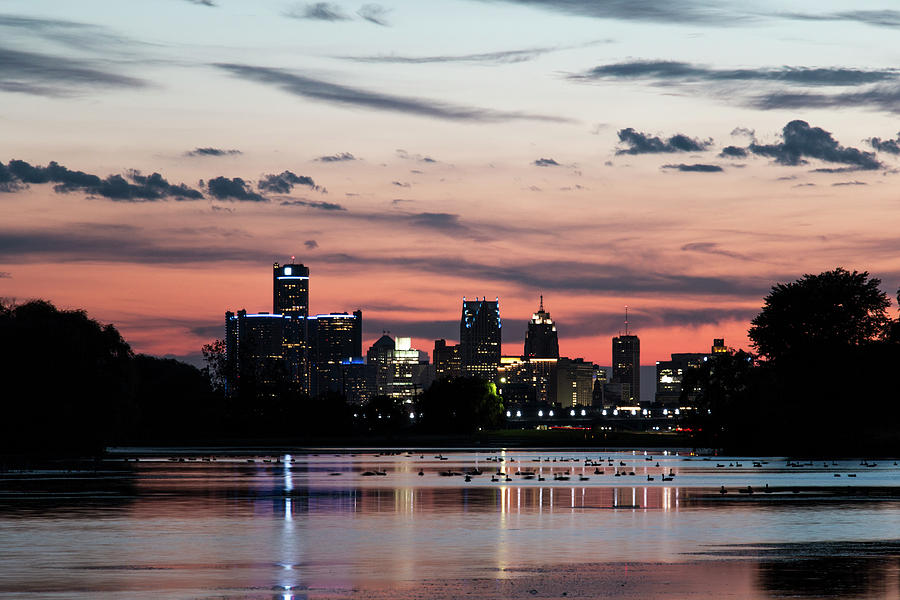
(297, 526)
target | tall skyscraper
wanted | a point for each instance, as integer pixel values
(626, 356)
(333, 338)
(290, 290)
(290, 296)
(479, 338)
(541, 340)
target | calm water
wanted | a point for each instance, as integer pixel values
(306, 525)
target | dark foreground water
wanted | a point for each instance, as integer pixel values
(329, 525)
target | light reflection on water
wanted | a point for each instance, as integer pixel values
(293, 525)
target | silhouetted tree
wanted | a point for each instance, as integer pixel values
(832, 311)
(174, 401)
(68, 381)
(461, 405)
(216, 369)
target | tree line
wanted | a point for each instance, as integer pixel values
(73, 385)
(822, 379)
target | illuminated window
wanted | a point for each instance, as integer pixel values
(287, 270)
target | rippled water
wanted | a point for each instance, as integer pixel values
(316, 525)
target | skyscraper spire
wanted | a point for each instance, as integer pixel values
(626, 319)
(542, 303)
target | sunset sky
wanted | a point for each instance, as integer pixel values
(678, 157)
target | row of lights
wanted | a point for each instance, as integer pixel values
(604, 412)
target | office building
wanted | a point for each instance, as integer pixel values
(541, 340)
(523, 380)
(626, 368)
(479, 338)
(258, 350)
(333, 338)
(290, 296)
(447, 362)
(574, 383)
(670, 375)
(397, 369)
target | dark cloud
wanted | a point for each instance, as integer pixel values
(311, 244)
(374, 13)
(693, 12)
(733, 152)
(223, 188)
(744, 131)
(133, 187)
(116, 244)
(339, 157)
(642, 143)
(212, 152)
(570, 276)
(313, 204)
(800, 141)
(884, 98)
(318, 11)
(878, 18)
(694, 168)
(46, 75)
(846, 183)
(686, 72)
(203, 2)
(889, 146)
(402, 184)
(284, 182)
(500, 57)
(712, 248)
(316, 89)
(545, 162)
(610, 323)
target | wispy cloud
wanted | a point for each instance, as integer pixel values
(498, 57)
(688, 72)
(884, 98)
(683, 12)
(316, 89)
(712, 248)
(313, 204)
(47, 75)
(374, 13)
(318, 11)
(878, 18)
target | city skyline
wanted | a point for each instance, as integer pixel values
(680, 161)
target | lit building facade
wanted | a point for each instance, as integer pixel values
(290, 296)
(574, 383)
(447, 362)
(397, 369)
(523, 380)
(626, 368)
(479, 338)
(333, 338)
(541, 339)
(258, 350)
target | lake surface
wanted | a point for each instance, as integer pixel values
(325, 524)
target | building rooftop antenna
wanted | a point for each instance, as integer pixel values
(626, 319)
(542, 303)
